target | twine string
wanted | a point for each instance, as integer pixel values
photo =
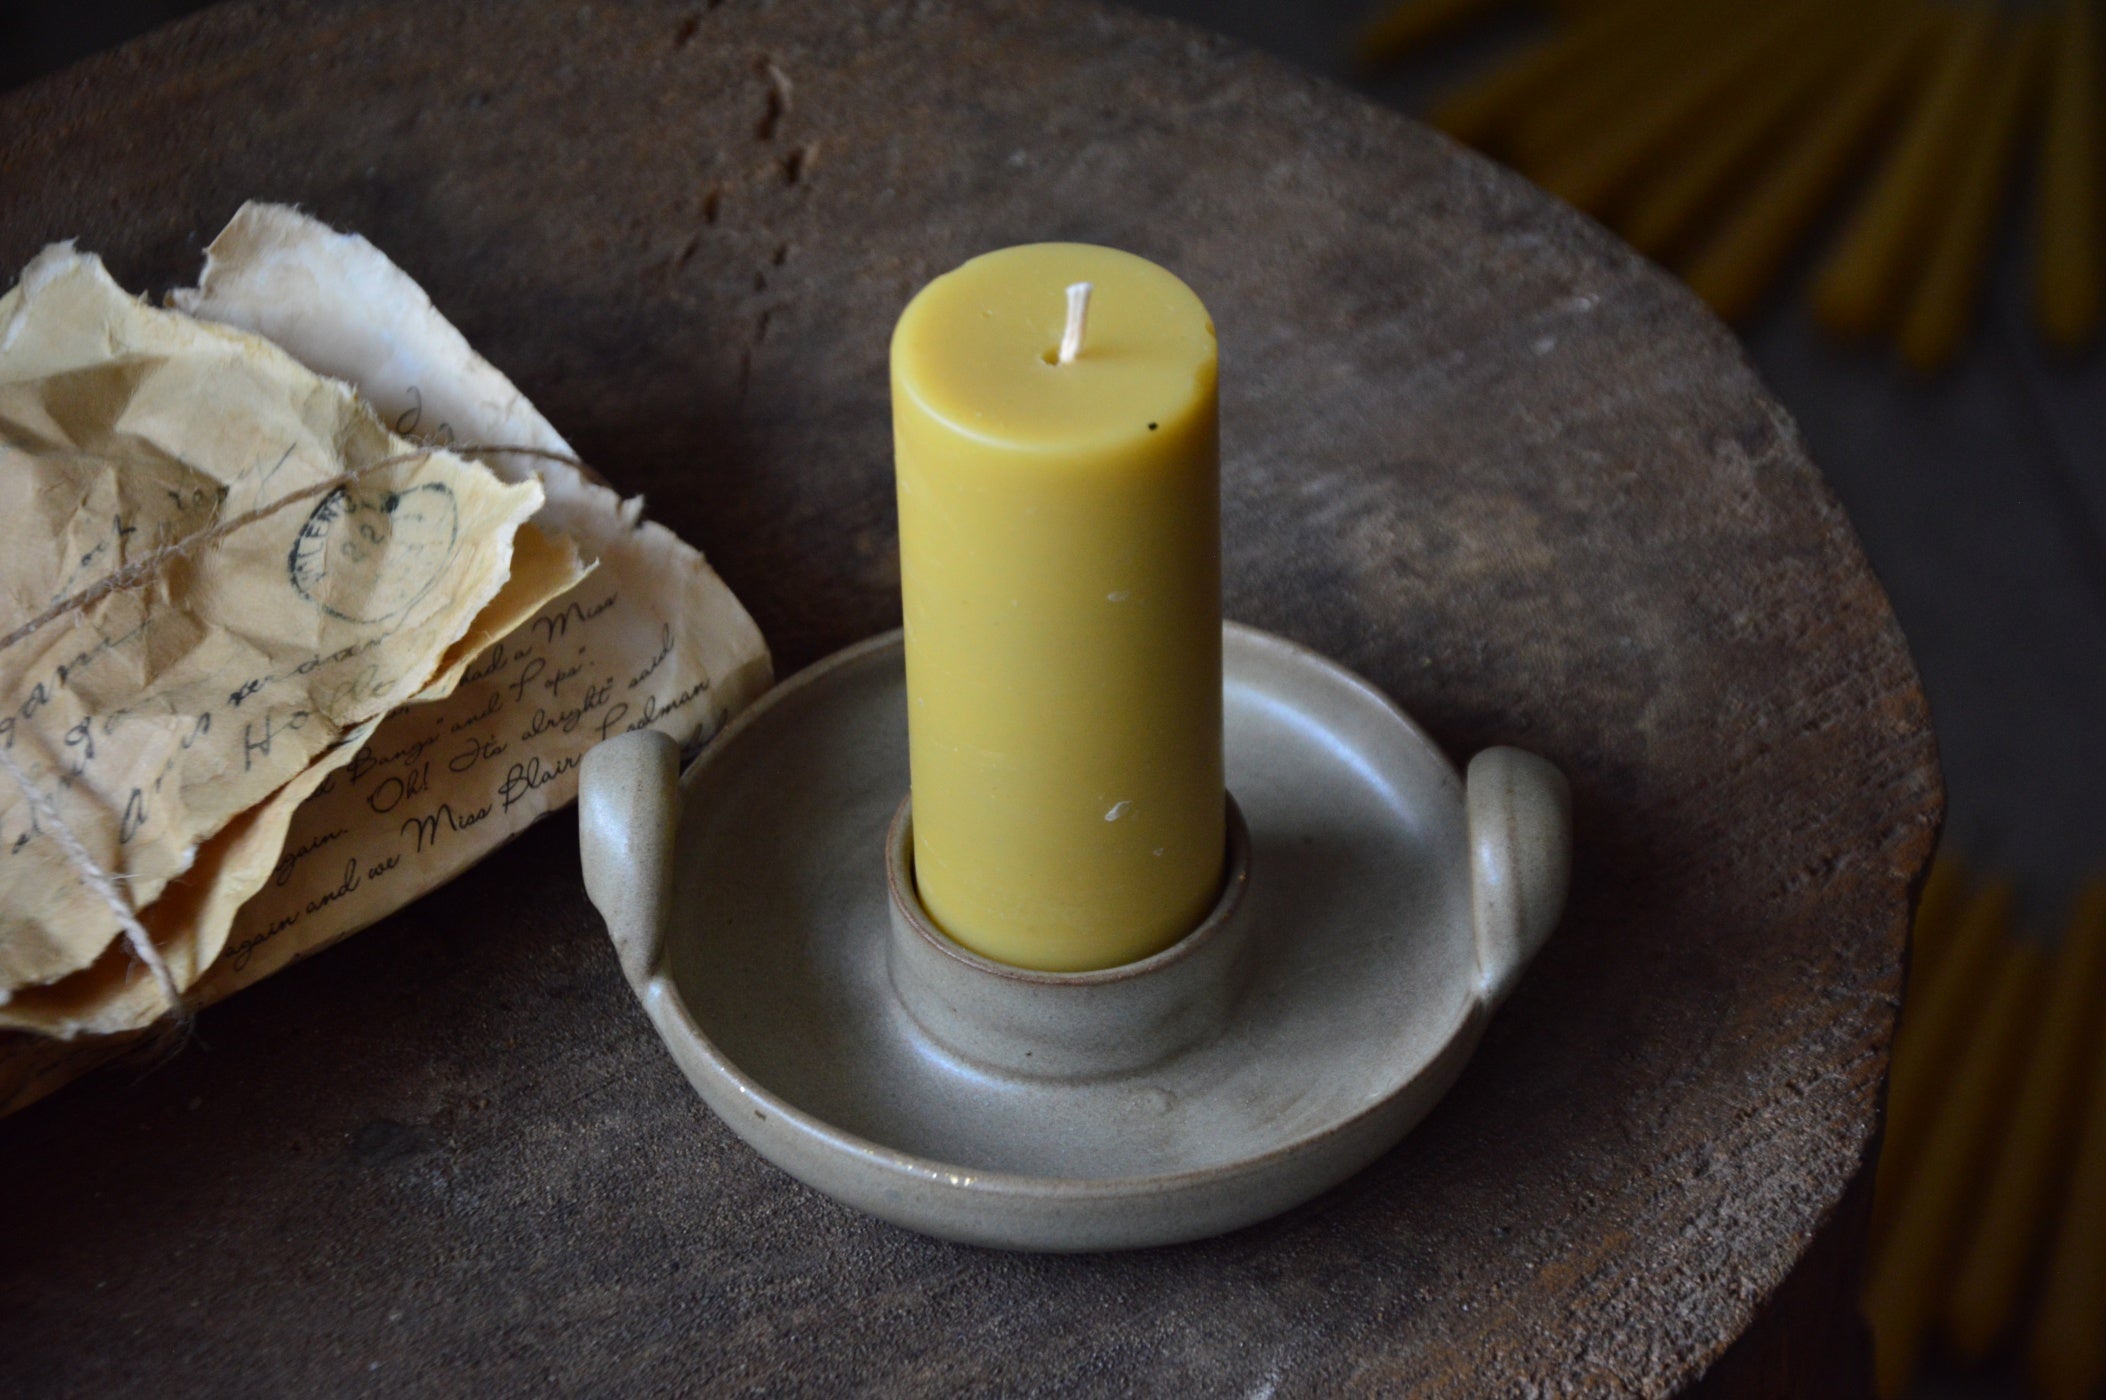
(99, 880)
(147, 565)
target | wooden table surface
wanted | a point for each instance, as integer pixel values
(1473, 448)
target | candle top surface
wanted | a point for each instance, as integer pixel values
(978, 349)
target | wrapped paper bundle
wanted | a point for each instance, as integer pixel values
(272, 669)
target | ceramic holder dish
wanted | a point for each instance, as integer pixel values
(1376, 910)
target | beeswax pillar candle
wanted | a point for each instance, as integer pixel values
(1060, 571)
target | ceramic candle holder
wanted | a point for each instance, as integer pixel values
(1376, 909)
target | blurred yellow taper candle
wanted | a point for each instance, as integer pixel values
(1663, 119)
(2066, 1357)
(1410, 24)
(2069, 283)
(1931, 1037)
(1737, 262)
(1940, 311)
(1058, 466)
(1937, 919)
(1859, 286)
(1910, 1266)
(1587, 99)
(1486, 107)
(1989, 1282)
(1679, 194)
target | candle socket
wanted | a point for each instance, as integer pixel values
(1067, 1025)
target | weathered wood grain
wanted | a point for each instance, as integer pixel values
(1474, 448)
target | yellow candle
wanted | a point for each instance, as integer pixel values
(1060, 570)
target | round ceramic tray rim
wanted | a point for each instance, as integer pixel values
(1003, 1183)
(666, 994)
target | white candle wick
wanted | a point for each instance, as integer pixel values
(1078, 319)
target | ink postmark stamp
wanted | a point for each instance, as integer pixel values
(368, 553)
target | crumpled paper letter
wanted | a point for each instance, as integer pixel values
(407, 797)
(654, 639)
(158, 717)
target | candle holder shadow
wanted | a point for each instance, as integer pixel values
(1375, 911)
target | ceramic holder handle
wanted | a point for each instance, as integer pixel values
(628, 823)
(1520, 815)
(1520, 832)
